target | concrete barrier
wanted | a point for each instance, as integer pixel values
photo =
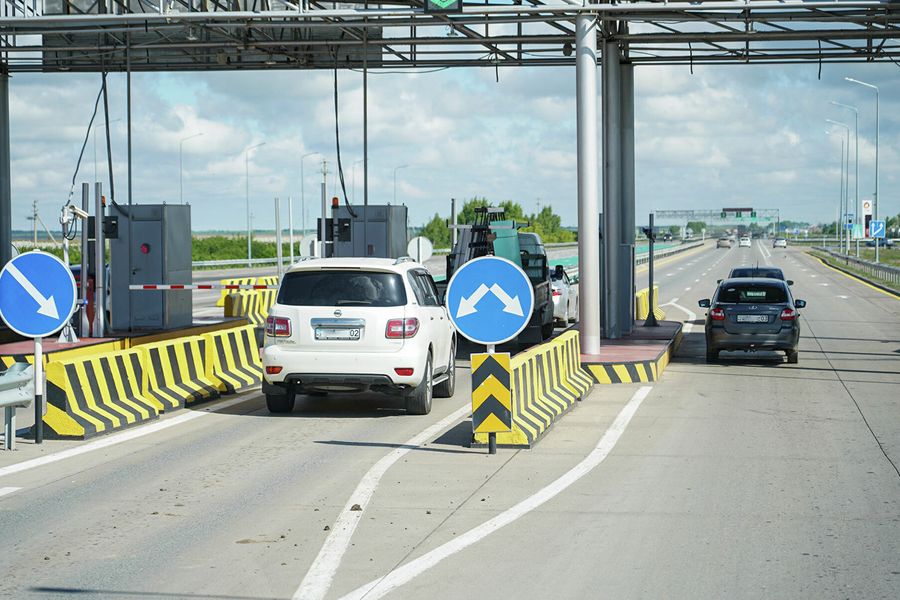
(642, 304)
(233, 281)
(178, 373)
(234, 356)
(253, 305)
(547, 380)
(95, 394)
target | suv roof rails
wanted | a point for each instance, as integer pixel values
(404, 259)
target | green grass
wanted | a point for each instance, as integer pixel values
(855, 271)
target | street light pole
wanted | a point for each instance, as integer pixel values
(247, 176)
(857, 208)
(302, 201)
(353, 178)
(846, 182)
(875, 203)
(395, 180)
(181, 165)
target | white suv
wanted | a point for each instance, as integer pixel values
(347, 325)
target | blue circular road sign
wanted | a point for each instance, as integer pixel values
(37, 294)
(490, 300)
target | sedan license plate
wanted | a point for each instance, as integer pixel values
(350, 334)
(752, 319)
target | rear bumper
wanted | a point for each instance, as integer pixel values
(719, 339)
(300, 383)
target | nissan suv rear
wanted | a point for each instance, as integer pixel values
(348, 325)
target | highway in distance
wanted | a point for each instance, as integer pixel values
(747, 478)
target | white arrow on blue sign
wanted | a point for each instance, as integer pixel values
(37, 294)
(877, 229)
(490, 300)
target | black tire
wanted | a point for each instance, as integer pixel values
(317, 394)
(446, 389)
(712, 355)
(547, 330)
(280, 404)
(418, 402)
(793, 356)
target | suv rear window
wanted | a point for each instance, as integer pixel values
(754, 272)
(750, 294)
(342, 288)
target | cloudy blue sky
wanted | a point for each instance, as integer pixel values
(724, 136)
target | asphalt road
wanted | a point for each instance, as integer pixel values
(744, 479)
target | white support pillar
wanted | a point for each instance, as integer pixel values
(588, 205)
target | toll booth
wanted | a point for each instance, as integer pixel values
(374, 230)
(159, 239)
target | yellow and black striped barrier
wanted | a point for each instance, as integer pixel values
(90, 395)
(546, 380)
(491, 395)
(233, 281)
(253, 305)
(178, 373)
(234, 356)
(642, 304)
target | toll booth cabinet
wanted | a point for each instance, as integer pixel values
(159, 239)
(374, 230)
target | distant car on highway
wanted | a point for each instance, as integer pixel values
(724, 242)
(744, 242)
(667, 237)
(348, 325)
(565, 296)
(765, 272)
(752, 314)
(885, 243)
(779, 243)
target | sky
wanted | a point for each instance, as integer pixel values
(743, 135)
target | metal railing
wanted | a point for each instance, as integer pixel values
(879, 271)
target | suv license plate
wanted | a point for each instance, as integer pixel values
(338, 334)
(752, 319)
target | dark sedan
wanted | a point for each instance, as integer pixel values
(752, 314)
(759, 271)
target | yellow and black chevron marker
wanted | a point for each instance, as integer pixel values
(491, 393)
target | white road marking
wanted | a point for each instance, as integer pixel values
(687, 289)
(824, 284)
(117, 438)
(8, 490)
(317, 582)
(406, 573)
(696, 281)
(692, 316)
(669, 274)
(843, 297)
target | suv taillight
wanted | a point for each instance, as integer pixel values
(788, 314)
(717, 314)
(398, 329)
(557, 292)
(278, 327)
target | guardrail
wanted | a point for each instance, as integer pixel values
(877, 270)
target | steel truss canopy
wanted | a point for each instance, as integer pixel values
(200, 35)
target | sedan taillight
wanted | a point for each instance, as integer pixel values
(398, 329)
(278, 327)
(717, 314)
(788, 314)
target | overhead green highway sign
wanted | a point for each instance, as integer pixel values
(443, 6)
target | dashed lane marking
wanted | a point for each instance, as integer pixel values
(692, 316)
(406, 573)
(318, 579)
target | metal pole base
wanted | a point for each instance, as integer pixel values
(492, 443)
(9, 428)
(651, 321)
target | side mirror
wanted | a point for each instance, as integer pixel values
(718, 281)
(705, 303)
(800, 303)
(790, 282)
(559, 271)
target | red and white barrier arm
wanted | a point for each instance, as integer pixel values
(200, 286)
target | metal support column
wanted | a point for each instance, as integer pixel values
(85, 234)
(5, 172)
(588, 205)
(626, 256)
(612, 284)
(99, 264)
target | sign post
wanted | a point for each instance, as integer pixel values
(651, 236)
(490, 301)
(37, 298)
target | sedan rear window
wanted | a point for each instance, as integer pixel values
(342, 288)
(755, 272)
(750, 293)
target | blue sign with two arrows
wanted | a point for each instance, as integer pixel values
(490, 300)
(877, 229)
(37, 294)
